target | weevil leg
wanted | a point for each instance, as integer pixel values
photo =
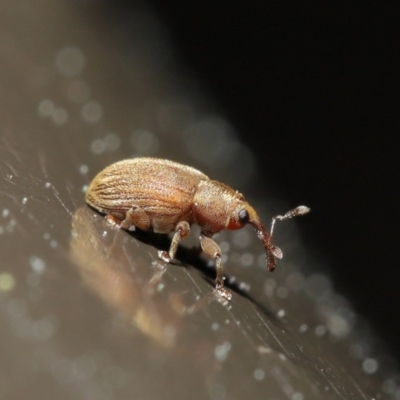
(212, 249)
(113, 220)
(182, 230)
(137, 217)
(134, 217)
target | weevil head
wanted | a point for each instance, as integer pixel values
(245, 214)
(218, 207)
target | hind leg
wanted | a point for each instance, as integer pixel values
(135, 217)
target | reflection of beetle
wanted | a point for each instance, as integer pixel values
(162, 195)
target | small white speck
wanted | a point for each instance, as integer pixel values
(160, 287)
(132, 228)
(340, 324)
(210, 264)
(92, 112)
(244, 286)
(297, 396)
(303, 328)
(215, 326)
(37, 264)
(46, 236)
(282, 357)
(370, 366)
(263, 350)
(5, 213)
(47, 185)
(24, 200)
(259, 374)
(221, 351)
(83, 169)
(84, 188)
(53, 243)
(320, 330)
(281, 313)
(105, 233)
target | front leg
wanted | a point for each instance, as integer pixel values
(212, 249)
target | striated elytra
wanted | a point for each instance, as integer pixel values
(164, 196)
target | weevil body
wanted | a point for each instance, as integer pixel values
(162, 195)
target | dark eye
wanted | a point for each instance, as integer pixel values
(243, 216)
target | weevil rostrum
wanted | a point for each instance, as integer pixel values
(164, 196)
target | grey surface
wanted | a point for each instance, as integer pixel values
(86, 311)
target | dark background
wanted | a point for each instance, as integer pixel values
(313, 89)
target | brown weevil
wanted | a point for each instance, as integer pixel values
(164, 196)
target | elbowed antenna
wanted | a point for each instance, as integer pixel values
(272, 252)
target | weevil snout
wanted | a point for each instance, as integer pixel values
(244, 214)
(271, 251)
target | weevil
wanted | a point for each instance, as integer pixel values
(164, 196)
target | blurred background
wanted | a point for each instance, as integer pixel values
(312, 88)
(289, 103)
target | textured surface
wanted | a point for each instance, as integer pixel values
(86, 312)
